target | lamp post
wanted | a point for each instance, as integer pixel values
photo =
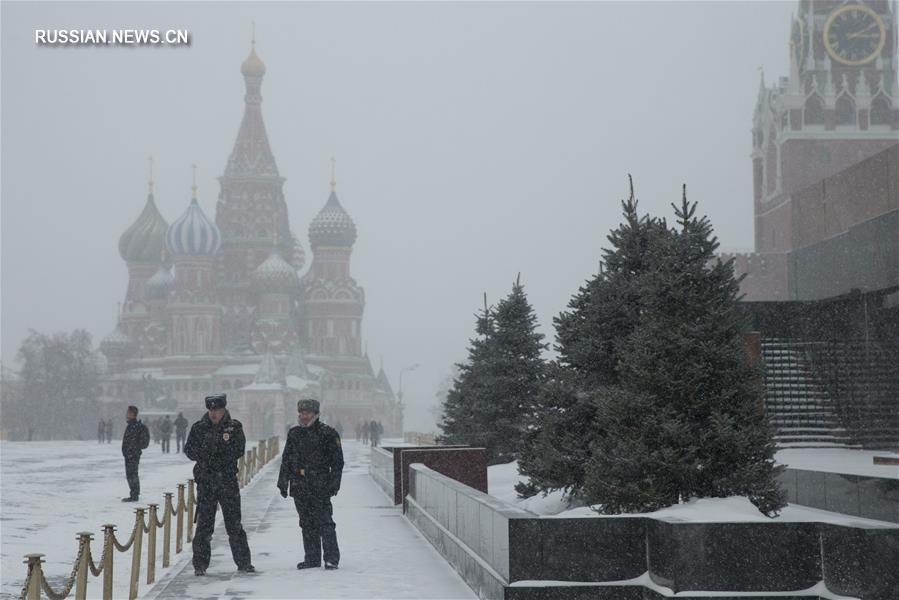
(399, 394)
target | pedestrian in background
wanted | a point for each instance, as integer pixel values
(180, 431)
(165, 434)
(135, 439)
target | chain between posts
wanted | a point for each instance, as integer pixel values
(36, 582)
(70, 582)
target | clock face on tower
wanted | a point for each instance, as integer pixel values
(854, 34)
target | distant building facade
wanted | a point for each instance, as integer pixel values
(218, 304)
(825, 148)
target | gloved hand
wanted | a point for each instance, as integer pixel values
(333, 489)
(283, 492)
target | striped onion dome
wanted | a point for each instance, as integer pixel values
(145, 239)
(159, 286)
(274, 276)
(332, 226)
(193, 234)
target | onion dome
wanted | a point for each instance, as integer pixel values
(160, 284)
(193, 234)
(145, 239)
(332, 226)
(274, 276)
(116, 343)
(252, 66)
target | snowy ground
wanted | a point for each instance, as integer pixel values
(52, 490)
(502, 479)
(839, 460)
(49, 491)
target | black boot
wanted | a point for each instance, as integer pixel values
(129, 499)
(329, 566)
(305, 565)
(199, 571)
(247, 569)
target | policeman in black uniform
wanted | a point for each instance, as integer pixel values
(311, 469)
(216, 442)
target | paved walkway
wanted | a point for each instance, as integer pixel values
(382, 555)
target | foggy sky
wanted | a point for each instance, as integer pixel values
(473, 142)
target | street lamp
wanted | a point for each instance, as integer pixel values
(399, 394)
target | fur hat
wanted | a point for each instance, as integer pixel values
(308, 404)
(216, 401)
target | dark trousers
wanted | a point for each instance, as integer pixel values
(319, 529)
(179, 441)
(131, 464)
(166, 444)
(210, 495)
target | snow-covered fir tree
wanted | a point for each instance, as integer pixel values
(662, 394)
(698, 394)
(498, 387)
(588, 335)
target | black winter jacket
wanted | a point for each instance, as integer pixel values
(216, 448)
(135, 439)
(312, 461)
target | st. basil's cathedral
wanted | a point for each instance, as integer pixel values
(218, 305)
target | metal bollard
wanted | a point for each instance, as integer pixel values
(84, 545)
(108, 551)
(36, 573)
(135, 552)
(191, 501)
(166, 529)
(151, 543)
(179, 521)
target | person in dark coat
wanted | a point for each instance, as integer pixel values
(216, 442)
(374, 433)
(180, 431)
(135, 439)
(165, 434)
(109, 430)
(311, 470)
(101, 432)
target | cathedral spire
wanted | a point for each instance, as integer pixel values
(150, 181)
(333, 174)
(252, 155)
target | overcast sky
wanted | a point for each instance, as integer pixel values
(473, 142)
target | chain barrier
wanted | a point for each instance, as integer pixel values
(24, 594)
(127, 545)
(36, 582)
(45, 585)
(90, 561)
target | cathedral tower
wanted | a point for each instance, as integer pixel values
(251, 213)
(194, 241)
(141, 247)
(332, 300)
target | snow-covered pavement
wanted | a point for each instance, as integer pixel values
(49, 491)
(382, 555)
(52, 490)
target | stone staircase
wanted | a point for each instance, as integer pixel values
(863, 380)
(798, 405)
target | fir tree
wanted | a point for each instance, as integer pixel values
(588, 336)
(700, 430)
(518, 371)
(498, 387)
(462, 408)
